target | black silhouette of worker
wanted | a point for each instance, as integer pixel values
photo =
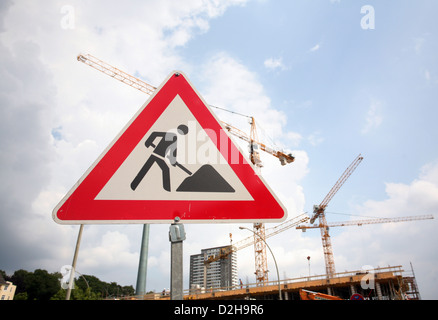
(166, 148)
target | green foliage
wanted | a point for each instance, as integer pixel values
(41, 285)
(77, 294)
(103, 289)
(20, 296)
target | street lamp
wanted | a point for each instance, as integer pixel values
(276, 267)
(308, 259)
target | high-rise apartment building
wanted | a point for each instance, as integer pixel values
(221, 273)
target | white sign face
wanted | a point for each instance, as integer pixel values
(199, 173)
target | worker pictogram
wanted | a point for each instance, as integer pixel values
(205, 179)
(173, 159)
(161, 151)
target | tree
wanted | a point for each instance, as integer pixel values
(77, 294)
(19, 279)
(38, 285)
(42, 285)
(105, 289)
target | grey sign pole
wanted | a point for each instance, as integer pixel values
(176, 237)
(143, 263)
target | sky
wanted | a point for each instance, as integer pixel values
(326, 79)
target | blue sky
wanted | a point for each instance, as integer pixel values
(357, 90)
(316, 81)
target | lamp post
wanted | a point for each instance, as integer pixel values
(308, 259)
(276, 267)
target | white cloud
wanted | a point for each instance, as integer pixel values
(80, 111)
(419, 44)
(419, 197)
(315, 48)
(315, 138)
(294, 138)
(58, 115)
(113, 251)
(234, 87)
(44, 90)
(274, 64)
(427, 75)
(401, 242)
(231, 85)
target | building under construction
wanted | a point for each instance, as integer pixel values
(381, 283)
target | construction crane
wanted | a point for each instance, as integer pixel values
(319, 212)
(226, 251)
(254, 144)
(325, 227)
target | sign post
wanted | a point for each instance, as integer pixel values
(176, 237)
(172, 162)
(140, 289)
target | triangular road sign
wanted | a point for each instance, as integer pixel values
(173, 159)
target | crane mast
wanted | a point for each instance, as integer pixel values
(319, 212)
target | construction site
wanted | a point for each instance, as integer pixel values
(213, 272)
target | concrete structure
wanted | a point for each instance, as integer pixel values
(221, 273)
(387, 283)
(7, 289)
(381, 283)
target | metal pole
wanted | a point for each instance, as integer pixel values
(75, 258)
(308, 259)
(176, 237)
(140, 288)
(276, 267)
